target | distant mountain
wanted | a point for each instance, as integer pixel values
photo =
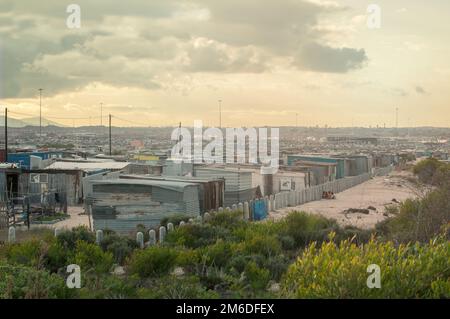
(13, 123)
(31, 121)
(34, 121)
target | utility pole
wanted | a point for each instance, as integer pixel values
(110, 144)
(220, 113)
(101, 114)
(396, 118)
(40, 112)
(6, 135)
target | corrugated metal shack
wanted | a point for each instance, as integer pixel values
(238, 183)
(65, 183)
(211, 191)
(143, 169)
(356, 164)
(24, 158)
(339, 163)
(123, 204)
(9, 181)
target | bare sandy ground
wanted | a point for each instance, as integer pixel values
(377, 192)
(76, 219)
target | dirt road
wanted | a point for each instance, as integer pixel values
(375, 193)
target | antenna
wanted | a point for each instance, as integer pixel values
(40, 112)
(396, 117)
(6, 135)
(220, 113)
(110, 144)
(101, 114)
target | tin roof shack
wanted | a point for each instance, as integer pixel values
(321, 161)
(174, 168)
(211, 191)
(24, 159)
(9, 181)
(123, 204)
(67, 177)
(383, 159)
(143, 169)
(356, 164)
(238, 182)
(285, 180)
(65, 184)
(294, 178)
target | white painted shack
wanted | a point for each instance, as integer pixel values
(238, 182)
(123, 204)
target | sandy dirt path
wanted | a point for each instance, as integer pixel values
(377, 192)
(76, 219)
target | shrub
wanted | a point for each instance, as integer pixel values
(69, 238)
(340, 271)
(90, 257)
(109, 287)
(193, 235)
(18, 282)
(175, 219)
(257, 277)
(56, 257)
(153, 261)
(120, 247)
(218, 254)
(229, 220)
(266, 246)
(171, 287)
(28, 253)
(305, 228)
(419, 219)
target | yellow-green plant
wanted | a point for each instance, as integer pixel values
(340, 270)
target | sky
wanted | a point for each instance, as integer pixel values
(271, 63)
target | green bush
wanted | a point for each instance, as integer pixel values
(194, 235)
(108, 287)
(19, 282)
(340, 271)
(171, 287)
(229, 220)
(120, 247)
(426, 169)
(56, 257)
(305, 228)
(419, 219)
(218, 254)
(153, 261)
(266, 246)
(91, 257)
(29, 253)
(175, 219)
(257, 277)
(69, 238)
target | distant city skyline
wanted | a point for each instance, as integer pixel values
(161, 62)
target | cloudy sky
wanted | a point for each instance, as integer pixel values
(159, 62)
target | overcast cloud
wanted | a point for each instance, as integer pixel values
(135, 43)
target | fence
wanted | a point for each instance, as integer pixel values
(295, 198)
(382, 171)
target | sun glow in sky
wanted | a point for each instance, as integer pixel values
(159, 62)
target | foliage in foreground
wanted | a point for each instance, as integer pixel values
(340, 271)
(224, 258)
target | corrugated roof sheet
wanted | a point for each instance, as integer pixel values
(172, 185)
(88, 166)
